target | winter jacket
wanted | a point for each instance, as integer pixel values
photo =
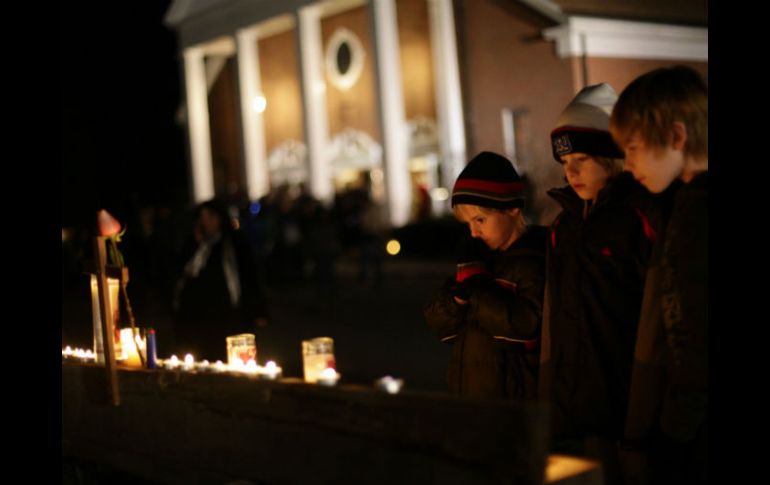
(596, 270)
(495, 336)
(669, 385)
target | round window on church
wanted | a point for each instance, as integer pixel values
(344, 59)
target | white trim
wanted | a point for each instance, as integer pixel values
(198, 124)
(355, 149)
(449, 108)
(250, 83)
(257, 183)
(274, 26)
(334, 7)
(596, 37)
(345, 81)
(548, 8)
(288, 163)
(221, 46)
(391, 110)
(314, 102)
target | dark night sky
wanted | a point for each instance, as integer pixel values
(120, 89)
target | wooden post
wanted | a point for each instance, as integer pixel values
(108, 324)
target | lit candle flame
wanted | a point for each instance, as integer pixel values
(171, 362)
(328, 377)
(270, 370)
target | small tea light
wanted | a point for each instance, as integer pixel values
(328, 377)
(67, 352)
(237, 366)
(203, 366)
(89, 355)
(189, 362)
(251, 367)
(270, 370)
(219, 366)
(171, 363)
(389, 384)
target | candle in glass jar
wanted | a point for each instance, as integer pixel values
(131, 347)
(317, 355)
(241, 348)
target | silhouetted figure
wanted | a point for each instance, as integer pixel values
(218, 293)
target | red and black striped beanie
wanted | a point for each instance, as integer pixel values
(584, 125)
(489, 180)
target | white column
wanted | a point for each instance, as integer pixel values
(446, 75)
(314, 101)
(198, 125)
(395, 139)
(257, 173)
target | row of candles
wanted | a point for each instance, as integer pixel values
(317, 355)
(270, 370)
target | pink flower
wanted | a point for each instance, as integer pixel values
(108, 225)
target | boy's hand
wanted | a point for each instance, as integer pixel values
(472, 259)
(471, 269)
(460, 293)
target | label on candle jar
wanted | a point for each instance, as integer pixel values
(241, 348)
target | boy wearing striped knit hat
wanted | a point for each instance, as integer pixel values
(490, 310)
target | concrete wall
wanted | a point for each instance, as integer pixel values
(182, 427)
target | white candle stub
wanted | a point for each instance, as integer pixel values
(172, 362)
(328, 377)
(251, 367)
(270, 370)
(390, 385)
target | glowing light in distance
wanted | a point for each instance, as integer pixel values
(393, 247)
(258, 104)
(439, 193)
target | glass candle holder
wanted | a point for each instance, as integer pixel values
(241, 348)
(317, 355)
